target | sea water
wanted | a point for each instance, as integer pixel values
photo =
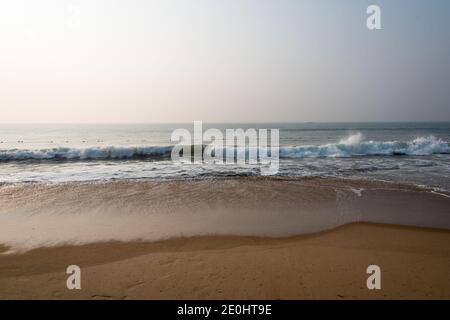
(414, 153)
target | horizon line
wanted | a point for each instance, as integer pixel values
(223, 122)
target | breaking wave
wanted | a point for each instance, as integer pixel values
(355, 146)
(351, 146)
(93, 153)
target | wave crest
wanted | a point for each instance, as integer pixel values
(351, 146)
(355, 146)
(93, 153)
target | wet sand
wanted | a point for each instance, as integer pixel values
(415, 264)
(233, 238)
(37, 215)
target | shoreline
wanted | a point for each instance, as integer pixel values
(230, 238)
(415, 264)
(81, 213)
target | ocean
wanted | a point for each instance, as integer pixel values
(411, 153)
(77, 184)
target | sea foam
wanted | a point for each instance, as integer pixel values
(93, 153)
(353, 145)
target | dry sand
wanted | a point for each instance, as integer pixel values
(415, 263)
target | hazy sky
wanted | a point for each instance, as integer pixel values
(223, 60)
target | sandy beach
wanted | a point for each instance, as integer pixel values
(231, 238)
(247, 150)
(43, 215)
(415, 264)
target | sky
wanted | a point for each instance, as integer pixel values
(138, 61)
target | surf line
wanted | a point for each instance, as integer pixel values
(440, 194)
(249, 147)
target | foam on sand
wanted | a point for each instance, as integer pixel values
(36, 215)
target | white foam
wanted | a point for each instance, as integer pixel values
(355, 146)
(93, 153)
(358, 192)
